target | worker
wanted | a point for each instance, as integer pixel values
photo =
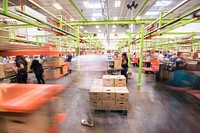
(69, 58)
(38, 70)
(180, 62)
(21, 69)
(149, 55)
(168, 54)
(160, 60)
(124, 66)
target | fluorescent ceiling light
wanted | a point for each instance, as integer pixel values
(151, 13)
(97, 14)
(91, 6)
(57, 6)
(113, 30)
(81, 27)
(93, 19)
(131, 26)
(72, 19)
(115, 18)
(99, 30)
(85, 31)
(97, 26)
(117, 3)
(114, 26)
(163, 3)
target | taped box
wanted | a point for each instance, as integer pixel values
(108, 80)
(52, 72)
(108, 105)
(96, 105)
(109, 94)
(121, 106)
(122, 94)
(55, 61)
(120, 81)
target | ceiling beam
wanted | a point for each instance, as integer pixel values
(105, 22)
(141, 9)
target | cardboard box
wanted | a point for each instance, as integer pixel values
(109, 94)
(52, 72)
(108, 80)
(9, 72)
(117, 63)
(55, 61)
(120, 81)
(108, 105)
(122, 94)
(8, 66)
(64, 69)
(96, 94)
(96, 105)
(2, 73)
(121, 105)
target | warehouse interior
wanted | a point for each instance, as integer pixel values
(105, 66)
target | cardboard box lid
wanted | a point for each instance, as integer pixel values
(109, 89)
(108, 77)
(121, 90)
(96, 90)
(97, 81)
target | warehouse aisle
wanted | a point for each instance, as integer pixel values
(153, 108)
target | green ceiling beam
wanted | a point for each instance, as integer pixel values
(5, 6)
(11, 15)
(179, 33)
(104, 22)
(19, 26)
(77, 9)
(141, 9)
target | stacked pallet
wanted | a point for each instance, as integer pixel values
(109, 93)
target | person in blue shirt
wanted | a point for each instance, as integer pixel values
(168, 55)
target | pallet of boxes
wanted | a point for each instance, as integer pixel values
(110, 94)
(6, 70)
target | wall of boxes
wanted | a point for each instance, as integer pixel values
(109, 93)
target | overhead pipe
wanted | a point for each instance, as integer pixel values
(77, 9)
(141, 8)
(172, 10)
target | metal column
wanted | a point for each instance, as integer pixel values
(141, 54)
(5, 6)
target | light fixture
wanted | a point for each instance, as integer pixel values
(97, 14)
(93, 19)
(97, 26)
(72, 19)
(131, 26)
(91, 6)
(138, 17)
(81, 27)
(128, 30)
(85, 31)
(99, 30)
(57, 6)
(114, 26)
(113, 30)
(151, 13)
(163, 3)
(115, 18)
(117, 3)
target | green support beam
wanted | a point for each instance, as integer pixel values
(5, 6)
(20, 26)
(109, 22)
(141, 54)
(77, 9)
(141, 9)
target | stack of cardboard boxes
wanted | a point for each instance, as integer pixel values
(6, 70)
(109, 93)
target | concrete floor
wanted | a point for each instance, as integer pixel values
(153, 108)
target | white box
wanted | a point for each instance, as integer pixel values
(120, 81)
(122, 94)
(109, 94)
(108, 80)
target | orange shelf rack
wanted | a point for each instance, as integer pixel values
(56, 77)
(26, 98)
(59, 118)
(29, 52)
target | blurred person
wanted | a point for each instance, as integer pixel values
(148, 64)
(160, 60)
(168, 54)
(124, 66)
(69, 59)
(38, 70)
(180, 62)
(21, 69)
